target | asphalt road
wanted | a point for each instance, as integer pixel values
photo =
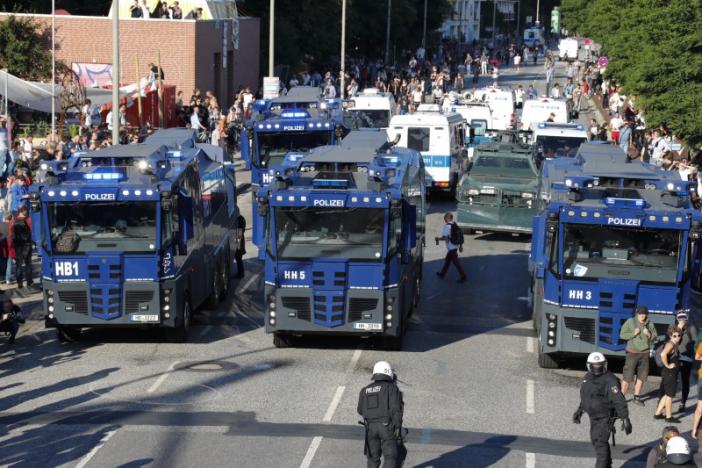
(473, 391)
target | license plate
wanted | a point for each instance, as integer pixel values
(368, 326)
(488, 190)
(143, 318)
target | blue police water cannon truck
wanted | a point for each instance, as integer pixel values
(135, 235)
(344, 241)
(612, 235)
(299, 121)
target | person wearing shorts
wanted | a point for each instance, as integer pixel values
(639, 334)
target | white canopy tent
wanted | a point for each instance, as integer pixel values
(37, 96)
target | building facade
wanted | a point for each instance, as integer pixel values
(193, 53)
(464, 23)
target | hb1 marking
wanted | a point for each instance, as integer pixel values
(66, 268)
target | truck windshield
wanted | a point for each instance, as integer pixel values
(123, 226)
(366, 118)
(621, 253)
(355, 233)
(559, 147)
(272, 147)
(514, 167)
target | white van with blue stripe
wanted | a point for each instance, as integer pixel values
(439, 137)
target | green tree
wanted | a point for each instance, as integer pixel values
(655, 52)
(24, 51)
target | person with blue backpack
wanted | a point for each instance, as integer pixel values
(452, 235)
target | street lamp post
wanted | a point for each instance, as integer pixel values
(342, 89)
(424, 30)
(115, 72)
(7, 103)
(53, 68)
(387, 35)
(271, 39)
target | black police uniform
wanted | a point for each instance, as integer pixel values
(380, 403)
(601, 398)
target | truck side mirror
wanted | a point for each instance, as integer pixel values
(409, 230)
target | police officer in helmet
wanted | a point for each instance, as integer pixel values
(601, 398)
(380, 403)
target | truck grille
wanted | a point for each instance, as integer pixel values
(330, 279)
(359, 305)
(301, 305)
(77, 299)
(483, 200)
(329, 309)
(133, 299)
(585, 326)
(515, 201)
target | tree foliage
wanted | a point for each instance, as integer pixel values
(655, 53)
(24, 49)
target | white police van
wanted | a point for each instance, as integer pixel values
(370, 108)
(539, 110)
(558, 140)
(502, 105)
(440, 137)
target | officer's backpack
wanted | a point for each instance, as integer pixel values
(456, 235)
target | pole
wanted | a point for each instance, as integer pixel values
(271, 39)
(138, 81)
(115, 72)
(7, 103)
(519, 9)
(538, 7)
(387, 35)
(342, 89)
(494, 16)
(424, 30)
(53, 68)
(160, 90)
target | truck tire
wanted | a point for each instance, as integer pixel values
(547, 361)
(214, 297)
(416, 296)
(226, 271)
(68, 334)
(281, 340)
(179, 334)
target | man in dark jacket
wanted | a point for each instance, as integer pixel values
(601, 398)
(10, 319)
(380, 403)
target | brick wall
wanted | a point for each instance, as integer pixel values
(187, 48)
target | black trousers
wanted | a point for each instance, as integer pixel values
(685, 373)
(599, 436)
(381, 442)
(239, 257)
(23, 260)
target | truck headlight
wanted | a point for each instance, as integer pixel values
(527, 195)
(473, 192)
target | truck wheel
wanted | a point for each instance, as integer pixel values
(214, 298)
(416, 295)
(225, 278)
(281, 340)
(179, 334)
(68, 334)
(547, 361)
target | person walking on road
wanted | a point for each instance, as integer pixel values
(686, 354)
(240, 246)
(639, 334)
(669, 376)
(603, 401)
(452, 235)
(382, 408)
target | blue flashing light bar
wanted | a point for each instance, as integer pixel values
(294, 115)
(174, 154)
(103, 176)
(624, 202)
(330, 183)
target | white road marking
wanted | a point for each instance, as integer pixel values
(530, 397)
(162, 378)
(249, 282)
(530, 344)
(530, 460)
(334, 404)
(307, 461)
(205, 330)
(89, 456)
(354, 359)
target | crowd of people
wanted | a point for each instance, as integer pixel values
(161, 10)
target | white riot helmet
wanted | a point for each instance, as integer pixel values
(382, 367)
(677, 450)
(596, 363)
